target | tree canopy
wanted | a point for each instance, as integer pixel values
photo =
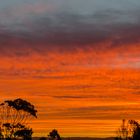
(15, 115)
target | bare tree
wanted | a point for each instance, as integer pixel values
(15, 115)
(123, 132)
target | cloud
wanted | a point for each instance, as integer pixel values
(21, 11)
(74, 30)
(72, 41)
(69, 97)
(98, 112)
(72, 65)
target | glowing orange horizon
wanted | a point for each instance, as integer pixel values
(81, 93)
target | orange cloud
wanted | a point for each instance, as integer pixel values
(94, 83)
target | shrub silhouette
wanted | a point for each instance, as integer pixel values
(54, 135)
(15, 114)
(25, 133)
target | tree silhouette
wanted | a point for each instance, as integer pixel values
(15, 115)
(129, 131)
(135, 129)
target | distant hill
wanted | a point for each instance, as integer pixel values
(82, 138)
(85, 138)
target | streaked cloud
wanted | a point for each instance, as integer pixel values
(75, 64)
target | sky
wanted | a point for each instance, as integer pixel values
(77, 61)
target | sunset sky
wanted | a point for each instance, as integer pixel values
(77, 61)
